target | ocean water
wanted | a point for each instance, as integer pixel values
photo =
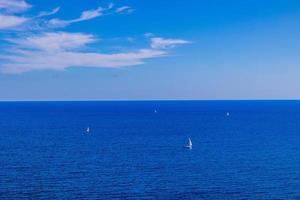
(134, 153)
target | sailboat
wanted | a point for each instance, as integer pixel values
(88, 130)
(189, 145)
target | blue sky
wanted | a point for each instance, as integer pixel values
(102, 50)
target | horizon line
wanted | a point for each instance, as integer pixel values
(140, 100)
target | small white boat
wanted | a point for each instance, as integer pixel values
(189, 145)
(155, 111)
(88, 130)
(227, 113)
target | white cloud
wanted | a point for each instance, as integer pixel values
(162, 43)
(59, 23)
(58, 51)
(88, 15)
(14, 5)
(31, 60)
(38, 48)
(85, 15)
(61, 50)
(149, 35)
(54, 41)
(52, 12)
(123, 9)
(11, 21)
(8, 20)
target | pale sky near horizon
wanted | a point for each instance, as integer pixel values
(140, 50)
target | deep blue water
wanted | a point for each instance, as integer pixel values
(134, 153)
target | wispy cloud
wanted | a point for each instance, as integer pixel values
(8, 8)
(11, 21)
(149, 35)
(162, 43)
(124, 9)
(85, 15)
(62, 50)
(14, 5)
(58, 51)
(52, 12)
(44, 48)
(29, 61)
(53, 41)
(90, 14)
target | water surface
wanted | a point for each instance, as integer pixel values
(134, 153)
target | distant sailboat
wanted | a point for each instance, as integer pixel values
(155, 111)
(88, 130)
(189, 145)
(227, 114)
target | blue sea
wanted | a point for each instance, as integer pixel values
(133, 152)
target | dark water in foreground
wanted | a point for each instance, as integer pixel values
(134, 153)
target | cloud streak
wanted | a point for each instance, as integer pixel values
(11, 21)
(45, 48)
(61, 57)
(61, 50)
(90, 14)
(52, 12)
(8, 8)
(14, 6)
(85, 15)
(29, 61)
(54, 41)
(123, 9)
(162, 43)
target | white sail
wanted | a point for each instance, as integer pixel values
(88, 130)
(189, 144)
